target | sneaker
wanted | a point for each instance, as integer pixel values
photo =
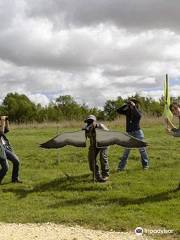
(100, 179)
(146, 168)
(105, 177)
(16, 181)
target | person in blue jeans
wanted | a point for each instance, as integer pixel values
(6, 152)
(133, 117)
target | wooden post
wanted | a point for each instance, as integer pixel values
(58, 153)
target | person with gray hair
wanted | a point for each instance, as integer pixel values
(91, 125)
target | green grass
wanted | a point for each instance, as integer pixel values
(57, 185)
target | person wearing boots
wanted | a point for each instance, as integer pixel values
(91, 125)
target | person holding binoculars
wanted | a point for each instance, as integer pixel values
(6, 152)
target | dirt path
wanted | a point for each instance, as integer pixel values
(49, 231)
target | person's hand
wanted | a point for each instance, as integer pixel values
(132, 103)
(168, 123)
(94, 124)
(168, 130)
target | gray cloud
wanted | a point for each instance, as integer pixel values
(92, 50)
(133, 14)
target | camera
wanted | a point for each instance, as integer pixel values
(126, 106)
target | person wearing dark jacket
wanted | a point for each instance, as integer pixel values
(133, 117)
(6, 152)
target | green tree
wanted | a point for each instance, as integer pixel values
(19, 108)
(69, 107)
(110, 108)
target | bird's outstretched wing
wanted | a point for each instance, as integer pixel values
(76, 139)
(106, 138)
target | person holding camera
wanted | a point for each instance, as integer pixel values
(7, 152)
(133, 117)
(91, 125)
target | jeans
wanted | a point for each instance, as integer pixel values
(144, 157)
(92, 155)
(5, 166)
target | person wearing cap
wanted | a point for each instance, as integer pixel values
(6, 152)
(133, 117)
(91, 125)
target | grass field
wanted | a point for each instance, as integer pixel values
(57, 185)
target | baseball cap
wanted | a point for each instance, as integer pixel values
(90, 117)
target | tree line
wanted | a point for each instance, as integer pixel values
(21, 109)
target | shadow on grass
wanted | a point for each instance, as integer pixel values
(164, 196)
(69, 183)
(82, 183)
(74, 202)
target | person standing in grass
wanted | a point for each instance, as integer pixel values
(91, 125)
(7, 152)
(133, 117)
(175, 109)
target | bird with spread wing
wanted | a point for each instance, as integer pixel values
(103, 138)
(100, 138)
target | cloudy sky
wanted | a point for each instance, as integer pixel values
(93, 50)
